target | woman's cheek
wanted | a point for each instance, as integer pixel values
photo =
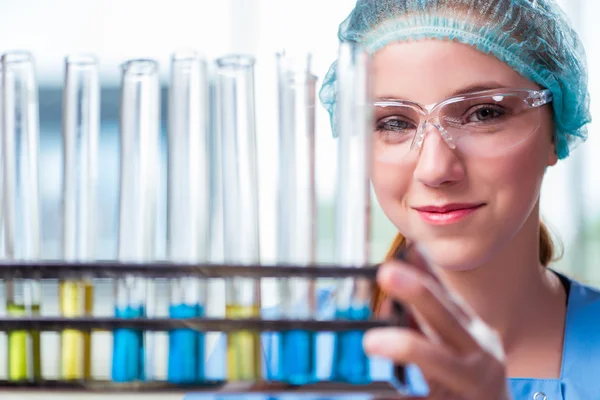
(391, 184)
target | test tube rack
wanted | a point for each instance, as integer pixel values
(49, 270)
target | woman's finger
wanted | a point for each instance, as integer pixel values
(404, 346)
(428, 298)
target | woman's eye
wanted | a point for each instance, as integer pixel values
(394, 130)
(395, 124)
(484, 114)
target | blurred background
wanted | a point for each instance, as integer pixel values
(118, 30)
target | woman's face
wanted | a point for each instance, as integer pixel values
(499, 191)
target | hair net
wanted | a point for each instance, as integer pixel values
(531, 36)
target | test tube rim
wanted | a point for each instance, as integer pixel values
(17, 57)
(139, 67)
(187, 55)
(81, 60)
(236, 61)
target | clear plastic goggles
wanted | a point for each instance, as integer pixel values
(485, 123)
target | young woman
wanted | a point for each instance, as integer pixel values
(474, 100)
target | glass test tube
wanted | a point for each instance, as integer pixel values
(296, 221)
(139, 190)
(188, 208)
(215, 303)
(352, 207)
(81, 124)
(21, 205)
(240, 209)
(2, 227)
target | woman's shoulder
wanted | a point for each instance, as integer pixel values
(580, 369)
(584, 298)
(583, 316)
(583, 312)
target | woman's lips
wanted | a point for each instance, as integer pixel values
(447, 214)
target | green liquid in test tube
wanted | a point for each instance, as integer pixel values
(21, 206)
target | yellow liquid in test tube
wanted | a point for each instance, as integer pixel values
(21, 354)
(76, 300)
(243, 347)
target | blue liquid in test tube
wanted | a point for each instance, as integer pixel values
(186, 347)
(351, 364)
(298, 361)
(128, 348)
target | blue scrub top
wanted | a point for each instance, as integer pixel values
(579, 377)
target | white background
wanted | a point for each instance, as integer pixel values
(117, 30)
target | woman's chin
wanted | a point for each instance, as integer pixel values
(454, 254)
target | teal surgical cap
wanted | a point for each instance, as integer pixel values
(534, 37)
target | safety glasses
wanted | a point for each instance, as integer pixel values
(485, 123)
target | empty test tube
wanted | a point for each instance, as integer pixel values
(140, 174)
(240, 209)
(81, 123)
(21, 205)
(188, 208)
(296, 211)
(352, 207)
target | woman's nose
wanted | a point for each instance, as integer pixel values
(438, 164)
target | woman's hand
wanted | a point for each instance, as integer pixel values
(460, 356)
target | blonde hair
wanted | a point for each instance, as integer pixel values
(547, 254)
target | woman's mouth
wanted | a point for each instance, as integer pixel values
(448, 213)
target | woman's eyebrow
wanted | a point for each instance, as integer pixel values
(477, 87)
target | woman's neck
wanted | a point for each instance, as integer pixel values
(514, 293)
